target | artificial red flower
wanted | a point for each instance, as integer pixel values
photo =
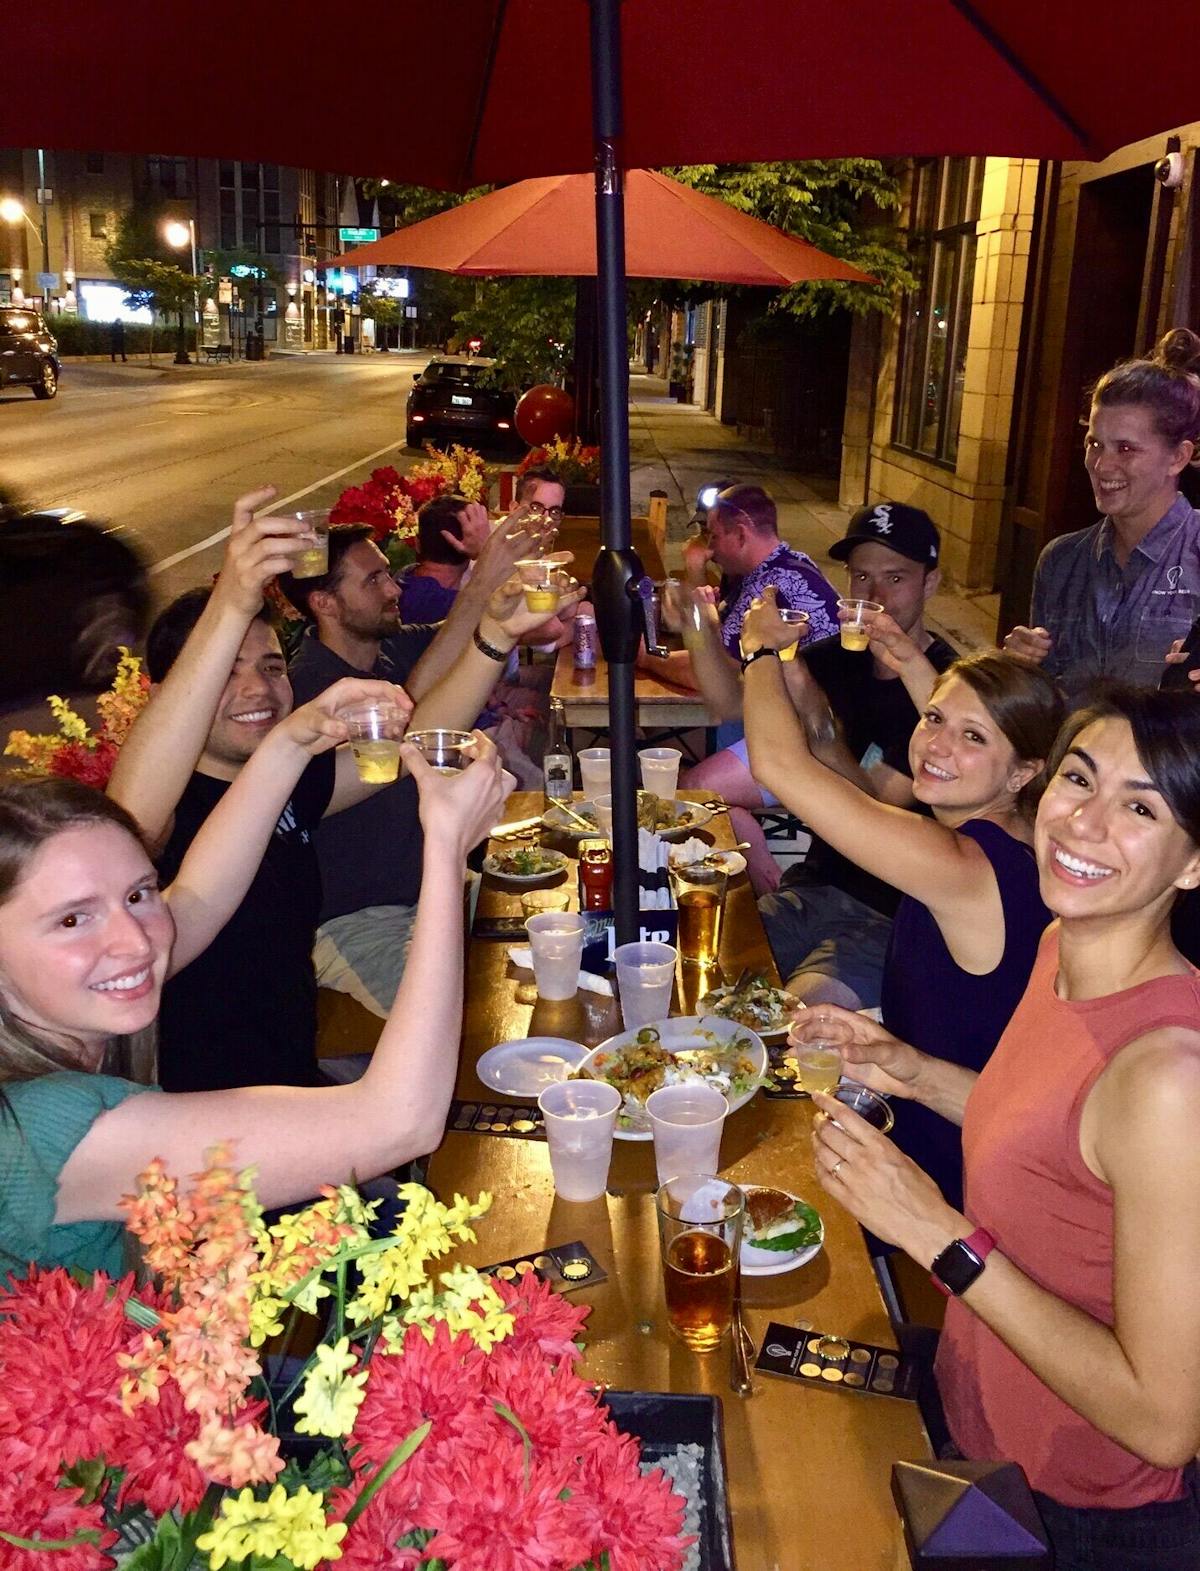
(373, 1543)
(423, 488)
(34, 1505)
(635, 1518)
(544, 1318)
(89, 765)
(561, 1413)
(489, 1517)
(440, 1380)
(158, 1471)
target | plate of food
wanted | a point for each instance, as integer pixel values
(670, 1052)
(565, 824)
(781, 1232)
(524, 864)
(527, 1065)
(671, 817)
(755, 1003)
(697, 853)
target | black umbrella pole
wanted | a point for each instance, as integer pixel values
(618, 617)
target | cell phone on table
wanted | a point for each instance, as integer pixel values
(1175, 677)
(504, 928)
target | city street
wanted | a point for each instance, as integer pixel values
(164, 452)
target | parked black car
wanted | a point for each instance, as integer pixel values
(28, 352)
(451, 400)
(71, 592)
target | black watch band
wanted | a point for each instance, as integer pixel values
(490, 650)
(758, 654)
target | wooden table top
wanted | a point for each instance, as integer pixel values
(809, 1471)
(658, 705)
(581, 533)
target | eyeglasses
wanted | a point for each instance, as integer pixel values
(554, 514)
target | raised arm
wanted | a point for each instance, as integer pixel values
(223, 858)
(1139, 1138)
(916, 855)
(299, 1139)
(711, 669)
(160, 753)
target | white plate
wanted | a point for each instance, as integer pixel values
(491, 866)
(554, 818)
(768, 1033)
(785, 1262)
(731, 863)
(678, 1033)
(526, 1066)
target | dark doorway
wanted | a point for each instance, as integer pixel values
(1050, 490)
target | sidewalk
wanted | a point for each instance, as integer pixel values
(677, 448)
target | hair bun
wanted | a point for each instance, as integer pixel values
(1179, 350)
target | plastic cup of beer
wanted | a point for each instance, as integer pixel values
(818, 1064)
(645, 981)
(660, 770)
(700, 1221)
(855, 616)
(536, 902)
(447, 752)
(700, 897)
(687, 1121)
(313, 560)
(375, 731)
(556, 939)
(542, 583)
(796, 619)
(580, 1117)
(595, 771)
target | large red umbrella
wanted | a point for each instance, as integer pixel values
(548, 226)
(483, 91)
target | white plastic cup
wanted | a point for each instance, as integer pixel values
(580, 1117)
(556, 939)
(687, 1121)
(604, 812)
(660, 770)
(595, 771)
(645, 979)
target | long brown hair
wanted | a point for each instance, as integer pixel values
(32, 813)
(1024, 701)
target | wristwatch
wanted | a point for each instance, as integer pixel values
(758, 654)
(961, 1262)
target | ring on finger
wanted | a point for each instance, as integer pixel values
(833, 1171)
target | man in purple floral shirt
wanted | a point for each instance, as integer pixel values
(742, 538)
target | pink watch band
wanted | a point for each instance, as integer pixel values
(980, 1242)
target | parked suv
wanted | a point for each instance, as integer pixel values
(452, 400)
(28, 351)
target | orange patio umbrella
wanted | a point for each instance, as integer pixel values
(548, 226)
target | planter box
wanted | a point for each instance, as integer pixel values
(662, 1422)
(581, 500)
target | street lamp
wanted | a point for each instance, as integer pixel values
(13, 212)
(178, 235)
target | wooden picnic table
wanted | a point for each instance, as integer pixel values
(809, 1471)
(581, 533)
(659, 706)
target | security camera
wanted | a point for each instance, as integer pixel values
(1168, 171)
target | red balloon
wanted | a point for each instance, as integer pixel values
(545, 412)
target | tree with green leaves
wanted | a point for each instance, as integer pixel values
(147, 268)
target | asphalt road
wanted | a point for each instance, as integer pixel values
(165, 452)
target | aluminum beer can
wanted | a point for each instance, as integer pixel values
(587, 642)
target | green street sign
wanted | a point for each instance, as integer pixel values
(357, 236)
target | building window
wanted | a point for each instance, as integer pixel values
(98, 226)
(94, 163)
(937, 316)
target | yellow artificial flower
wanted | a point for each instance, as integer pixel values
(72, 726)
(36, 751)
(282, 1524)
(331, 1396)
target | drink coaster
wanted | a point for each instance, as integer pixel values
(837, 1363)
(517, 1120)
(566, 1267)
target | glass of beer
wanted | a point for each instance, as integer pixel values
(375, 731)
(700, 1221)
(855, 617)
(313, 560)
(796, 619)
(700, 897)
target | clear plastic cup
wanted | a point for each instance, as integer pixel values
(313, 560)
(645, 980)
(687, 1121)
(375, 730)
(556, 939)
(604, 812)
(543, 583)
(594, 771)
(445, 751)
(856, 621)
(866, 1103)
(798, 619)
(580, 1117)
(660, 770)
(536, 902)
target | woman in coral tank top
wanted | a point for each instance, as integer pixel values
(1072, 1341)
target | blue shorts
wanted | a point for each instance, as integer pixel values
(742, 752)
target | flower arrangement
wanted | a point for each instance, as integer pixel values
(388, 500)
(444, 1426)
(76, 752)
(572, 462)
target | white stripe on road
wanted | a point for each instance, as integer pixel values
(282, 501)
